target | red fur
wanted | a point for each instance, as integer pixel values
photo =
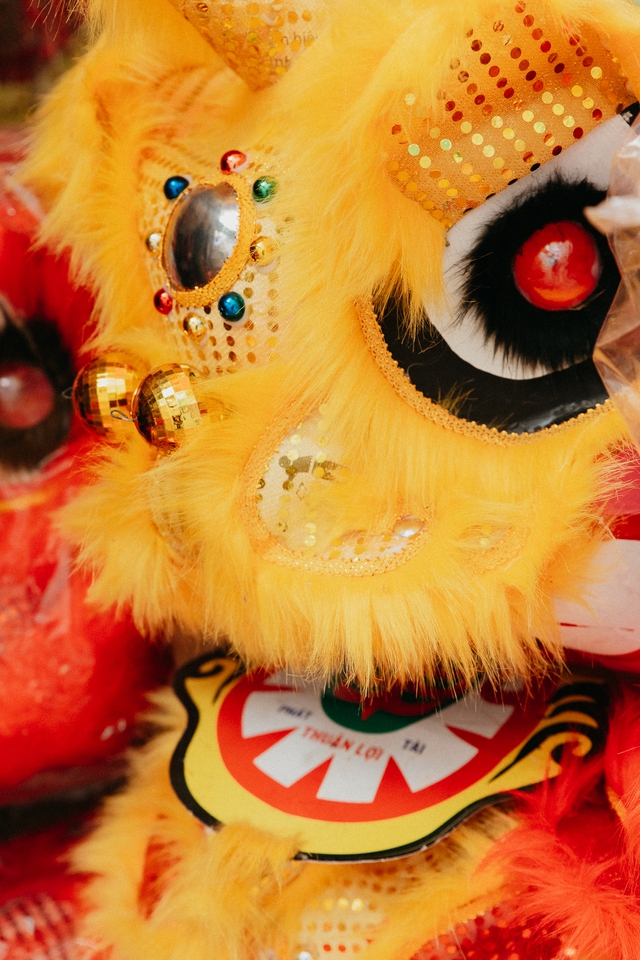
(622, 762)
(573, 863)
(35, 864)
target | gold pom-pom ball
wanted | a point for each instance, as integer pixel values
(165, 407)
(105, 387)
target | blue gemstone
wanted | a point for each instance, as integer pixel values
(231, 306)
(174, 186)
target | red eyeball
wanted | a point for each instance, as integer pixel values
(558, 267)
(26, 396)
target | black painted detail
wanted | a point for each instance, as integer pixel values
(590, 700)
(518, 406)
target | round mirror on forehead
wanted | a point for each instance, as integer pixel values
(201, 235)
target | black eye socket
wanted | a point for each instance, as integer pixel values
(520, 329)
(35, 370)
(517, 406)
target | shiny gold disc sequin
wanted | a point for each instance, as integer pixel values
(195, 326)
(264, 250)
(154, 242)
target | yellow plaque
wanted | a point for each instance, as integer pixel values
(372, 779)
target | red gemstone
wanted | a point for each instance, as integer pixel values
(163, 301)
(558, 267)
(26, 396)
(232, 160)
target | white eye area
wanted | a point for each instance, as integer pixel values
(590, 158)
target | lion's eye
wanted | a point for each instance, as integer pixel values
(529, 284)
(540, 279)
(26, 395)
(558, 267)
(35, 370)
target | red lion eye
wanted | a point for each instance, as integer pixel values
(558, 267)
(26, 396)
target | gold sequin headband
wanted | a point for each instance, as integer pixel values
(524, 89)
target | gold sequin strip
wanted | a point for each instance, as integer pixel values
(521, 92)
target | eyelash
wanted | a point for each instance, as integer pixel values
(523, 332)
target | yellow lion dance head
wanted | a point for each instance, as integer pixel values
(377, 443)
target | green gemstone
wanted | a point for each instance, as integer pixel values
(264, 189)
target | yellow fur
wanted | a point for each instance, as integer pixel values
(235, 893)
(150, 83)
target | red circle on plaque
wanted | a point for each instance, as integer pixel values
(278, 743)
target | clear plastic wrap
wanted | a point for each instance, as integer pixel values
(617, 349)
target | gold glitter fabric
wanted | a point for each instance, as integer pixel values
(201, 336)
(104, 387)
(259, 41)
(343, 919)
(522, 91)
